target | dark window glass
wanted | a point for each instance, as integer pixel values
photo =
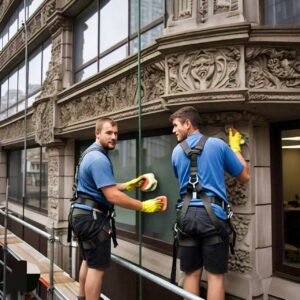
(286, 198)
(280, 12)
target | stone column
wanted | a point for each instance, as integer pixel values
(3, 176)
(60, 181)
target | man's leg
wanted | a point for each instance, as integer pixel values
(192, 281)
(82, 278)
(93, 284)
(215, 289)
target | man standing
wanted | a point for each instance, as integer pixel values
(91, 216)
(209, 248)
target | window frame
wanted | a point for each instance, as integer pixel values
(279, 268)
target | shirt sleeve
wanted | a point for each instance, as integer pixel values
(102, 172)
(233, 166)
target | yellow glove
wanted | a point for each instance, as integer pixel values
(136, 182)
(234, 140)
(152, 205)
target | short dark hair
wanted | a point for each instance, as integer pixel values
(187, 113)
(100, 123)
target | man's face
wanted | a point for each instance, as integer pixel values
(108, 136)
(180, 129)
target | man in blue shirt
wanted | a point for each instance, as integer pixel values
(90, 215)
(216, 159)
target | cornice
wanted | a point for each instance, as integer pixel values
(229, 34)
(275, 35)
(5, 6)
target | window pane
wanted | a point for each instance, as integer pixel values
(86, 35)
(113, 32)
(113, 57)
(4, 36)
(33, 177)
(147, 39)
(22, 83)
(291, 192)
(13, 24)
(35, 71)
(87, 72)
(281, 12)
(157, 159)
(151, 10)
(33, 5)
(124, 162)
(4, 94)
(21, 14)
(46, 59)
(13, 88)
(15, 177)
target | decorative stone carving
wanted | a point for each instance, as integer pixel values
(116, 96)
(236, 191)
(202, 10)
(16, 129)
(240, 261)
(52, 83)
(53, 173)
(4, 4)
(277, 97)
(241, 225)
(43, 120)
(203, 69)
(48, 10)
(182, 9)
(221, 6)
(269, 68)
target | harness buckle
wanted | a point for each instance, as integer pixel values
(229, 212)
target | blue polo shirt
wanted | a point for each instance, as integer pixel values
(216, 158)
(96, 172)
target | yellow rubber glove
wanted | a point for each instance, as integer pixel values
(234, 140)
(136, 182)
(152, 205)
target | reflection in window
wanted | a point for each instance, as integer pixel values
(279, 12)
(35, 69)
(291, 195)
(36, 176)
(157, 159)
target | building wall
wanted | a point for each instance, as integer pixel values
(213, 56)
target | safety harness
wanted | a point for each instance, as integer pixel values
(196, 191)
(87, 204)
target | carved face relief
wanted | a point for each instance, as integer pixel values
(202, 69)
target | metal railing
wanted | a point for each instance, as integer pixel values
(140, 271)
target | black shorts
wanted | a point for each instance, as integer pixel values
(213, 257)
(86, 228)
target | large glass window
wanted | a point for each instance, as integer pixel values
(36, 176)
(280, 12)
(13, 88)
(106, 33)
(156, 158)
(286, 198)
(16, 19)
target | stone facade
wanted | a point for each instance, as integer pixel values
(231, 74)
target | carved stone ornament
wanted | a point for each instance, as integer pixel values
(203, 69)
(16, 129)
(48, 10)
(116, 96)
(52, 82)
(221, 6)
(4, 4)
(53, 176)
(277, 97)
(236, 191)
(202, 10)
(269, 68)
(241, 226)
(43, 120)
(240, 261)
(182, 9)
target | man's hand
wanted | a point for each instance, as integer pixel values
(136, 182)
(154, 205)
(145, 182)
(234, 139)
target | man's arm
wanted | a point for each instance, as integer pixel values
(234, 143)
